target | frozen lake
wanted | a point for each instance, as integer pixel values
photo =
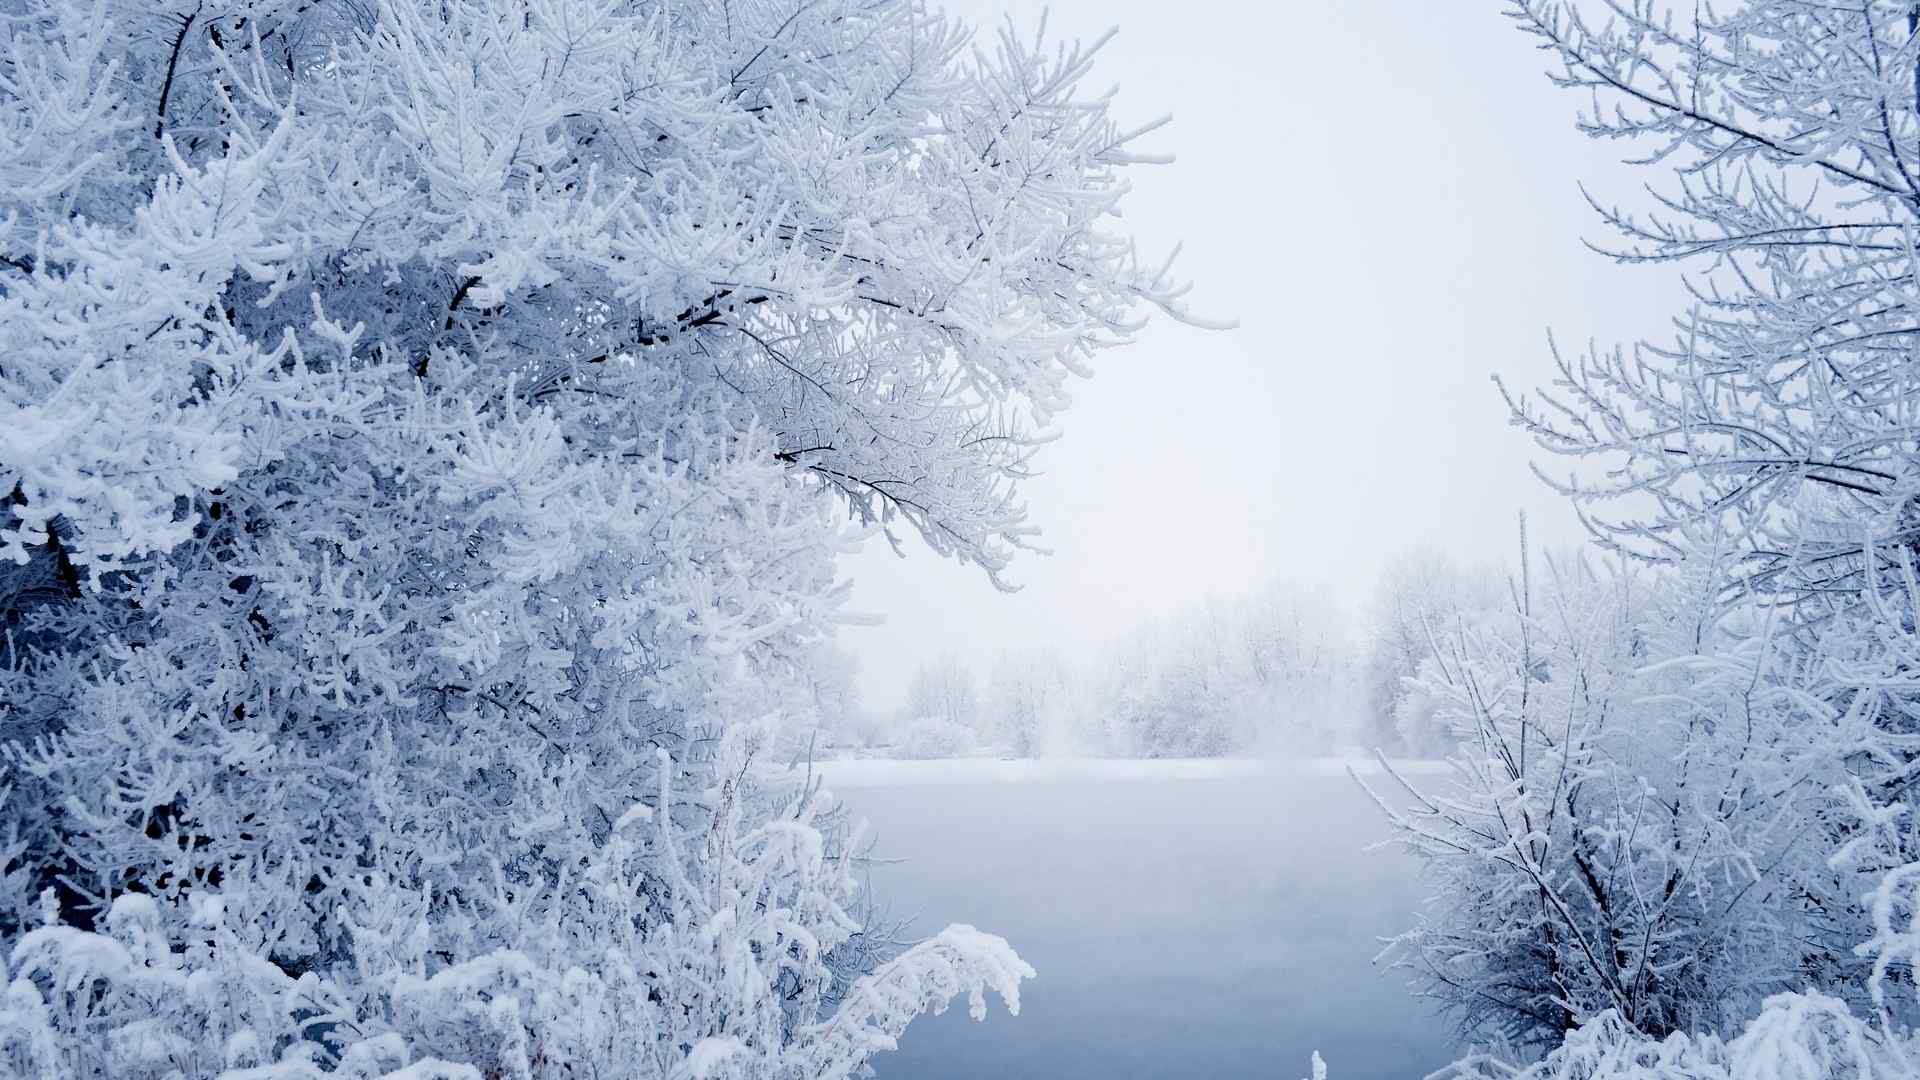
(1187, 919)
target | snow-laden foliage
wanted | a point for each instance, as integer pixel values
(1745, 785)
(1421, 595)
(417, 417)
(1805, 1036)
(654, 958)
(1781, 415)
(1635, 820)
(935, 738)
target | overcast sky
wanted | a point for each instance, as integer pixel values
(1385, 195)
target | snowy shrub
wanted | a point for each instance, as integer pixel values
(1767, 454)
(1421, 595)
(1635, 822)
(1415, 722)
(943, 701)
(427, 431)
(934, 737)
(1807, 1036)
(596, 979)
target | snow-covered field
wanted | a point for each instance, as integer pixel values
(1187, 918)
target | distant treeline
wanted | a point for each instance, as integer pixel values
(1279, 670)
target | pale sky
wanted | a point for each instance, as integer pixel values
(1385, 195)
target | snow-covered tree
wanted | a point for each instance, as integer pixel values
(1422, 595)
(1776, 431)
(1780, 415)
(1028, 702)
(832, 674)
(1295, 664)
(427, 431)
(1266, 672)
(1162, 693)
(944, 688)
(1637, 820)
(1779, 425)
(941, 717)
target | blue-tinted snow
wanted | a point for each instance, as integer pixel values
(1186, 919)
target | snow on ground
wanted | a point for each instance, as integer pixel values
(1187, 918)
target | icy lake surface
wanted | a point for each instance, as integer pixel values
(1187, 919)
